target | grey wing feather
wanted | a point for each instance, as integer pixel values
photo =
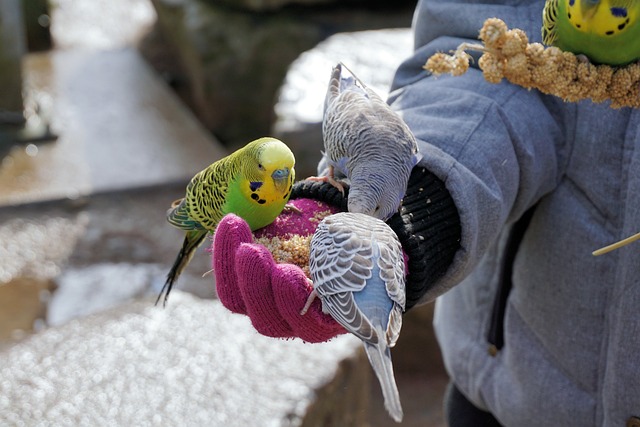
(351, 106)
(347, 103)
(340, 84)
(335, 147)
(342, 307)
(394, 326)
(342, 261)
(391, 263)
(339, 260)
(392, 271)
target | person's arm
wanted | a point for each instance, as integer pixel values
(497, 148)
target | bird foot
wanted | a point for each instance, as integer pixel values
(312, 296)
(330, 180)
(583, 59)
(290, 208)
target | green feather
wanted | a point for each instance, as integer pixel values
(254, 183)
(605, 31)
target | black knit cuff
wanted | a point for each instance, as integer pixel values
(322, 191)
(428, 226)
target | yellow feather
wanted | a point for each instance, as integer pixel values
(598, 18)
(254, 183)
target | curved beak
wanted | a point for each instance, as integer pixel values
(281, 179)
(588, 8)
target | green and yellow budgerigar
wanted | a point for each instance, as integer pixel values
(605, 31)
(254, 183)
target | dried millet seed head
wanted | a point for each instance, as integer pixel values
(534, 52)
(492, 32)
(515, 42)
(491, 68)
(441, 63)
(460, 63)
(517, 67)
(507, 54)
(438, 64)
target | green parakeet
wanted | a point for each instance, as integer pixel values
(605, 31)
(254, 183)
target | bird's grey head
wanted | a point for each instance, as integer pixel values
(375, 197)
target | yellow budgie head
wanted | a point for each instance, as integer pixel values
(268, 165)
(604, 18)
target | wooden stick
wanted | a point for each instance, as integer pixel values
(616, 245)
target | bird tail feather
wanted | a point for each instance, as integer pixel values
(334, 86)
(192, 240)
(380, 359)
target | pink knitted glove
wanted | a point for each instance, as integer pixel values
(248, 280)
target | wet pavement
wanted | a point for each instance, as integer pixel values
(118, 126)
(97, 195)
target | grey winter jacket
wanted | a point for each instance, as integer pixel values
(572, 328)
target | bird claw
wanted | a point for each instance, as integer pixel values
(583, 59)
(337, 184)
(318, 178)
(312, 296)
(291, 208)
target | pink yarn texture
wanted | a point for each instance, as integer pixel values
(250, 282)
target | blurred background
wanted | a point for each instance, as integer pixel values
(107, 108)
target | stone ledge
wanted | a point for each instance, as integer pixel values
(119, 127)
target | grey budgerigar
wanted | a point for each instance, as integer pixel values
(358, 272)
(368, 143)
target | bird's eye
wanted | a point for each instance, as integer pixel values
(260, 166)
(280, 173)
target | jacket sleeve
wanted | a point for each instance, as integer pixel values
(497, 148)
